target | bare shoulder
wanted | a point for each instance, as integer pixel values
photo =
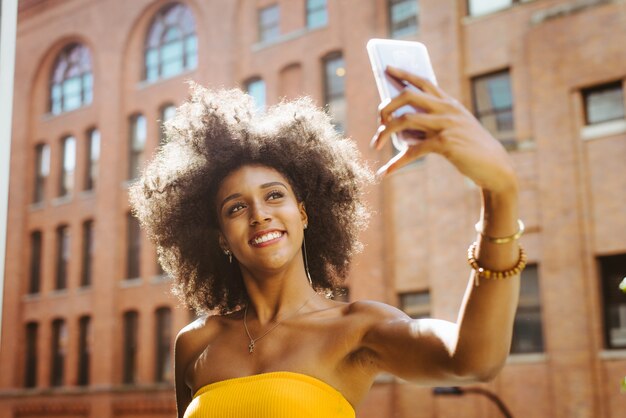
(370, 310)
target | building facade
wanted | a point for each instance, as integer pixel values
(88, 321)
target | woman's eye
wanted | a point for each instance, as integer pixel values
(274, 195)
(235, 208)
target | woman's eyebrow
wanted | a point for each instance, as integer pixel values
(271, 184)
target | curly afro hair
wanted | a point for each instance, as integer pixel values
(216, 132)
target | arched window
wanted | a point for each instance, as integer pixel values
(171, 44)
(71, 84)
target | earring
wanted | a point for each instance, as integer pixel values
(306, 260)
(230, 256)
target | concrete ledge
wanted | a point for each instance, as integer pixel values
(601, 130)
(527, 358)
(612, 354)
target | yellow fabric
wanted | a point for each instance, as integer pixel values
(269, 395)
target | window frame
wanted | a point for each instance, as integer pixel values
(188, 35)
(67, 178)
(65, 62)
(266, 32)
(62, 256)
(130, 346)
(528, 306)
(92, 162)
(30, 356)
(603, 263)
(163, 345)
(507, 138)
(311, 11)
(87, 253)
(136, 156)
(42, 171)
(330, 96)
(84, 351)
(58, 352)
(133, 247)
(415, 311)
(586, 92)
(36, 253)
(393, 33)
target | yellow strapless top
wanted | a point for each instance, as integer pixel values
(269, 395)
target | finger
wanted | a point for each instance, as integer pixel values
(418, 81)
(408, 121)
(415, 99)
(405, 157)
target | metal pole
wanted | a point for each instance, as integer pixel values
(8, 28)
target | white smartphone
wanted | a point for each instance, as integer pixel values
(406, 55)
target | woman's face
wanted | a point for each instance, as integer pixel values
(261, 220)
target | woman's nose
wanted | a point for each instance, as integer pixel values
(259, 214)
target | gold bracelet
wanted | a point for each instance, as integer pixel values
(490, 274)
(502, 240)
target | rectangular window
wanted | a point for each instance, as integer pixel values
(335, 89)
(527, 328)
(167, 112)
(58, 352)
(42, 169)
(163, 345)
(416, 304)
(483, 7)
(62, 257)
(30, 371)
(256, 88)
(133, 247)
(269, 23)
(131, 320)
(403, 17)
(138, 136)
(34, 285)
(93, 156)
(604, 103)
(316, 13)
(612, 272)
(84, 350)
(68, 165)
(493, 104)
(87, 254)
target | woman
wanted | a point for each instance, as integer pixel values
(233, 201)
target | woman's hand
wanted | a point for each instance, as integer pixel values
(451, 131)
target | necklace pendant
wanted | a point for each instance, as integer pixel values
(251, 347)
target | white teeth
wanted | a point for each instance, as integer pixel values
(267, 237)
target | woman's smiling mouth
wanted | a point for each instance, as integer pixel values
(265, 238)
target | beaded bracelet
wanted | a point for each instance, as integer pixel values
(502, 240)
(490, 274)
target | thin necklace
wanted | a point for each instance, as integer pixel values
(254, 340)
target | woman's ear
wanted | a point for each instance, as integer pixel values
(222, 242)
(303, 215)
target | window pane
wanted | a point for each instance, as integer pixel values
(87, 254)
(317, 13)
(35, 262)
(133, 246)
(527, 327)
(256, 89)
(335, 91)
(58, 352)
(71, 81)
(167, 113)
(604, 104)
(131, 322)
(493, 104)
(613, 271)
(84, 350)
(68, 165)
(163, 345)
(63, 257)
(404, 17)
(30, 369)
(480, 7)
(42, 169)
(138, 132)
(93, 156)
(170, 42)
(416, 304)
(269, 23)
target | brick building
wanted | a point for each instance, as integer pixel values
(88, 323)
